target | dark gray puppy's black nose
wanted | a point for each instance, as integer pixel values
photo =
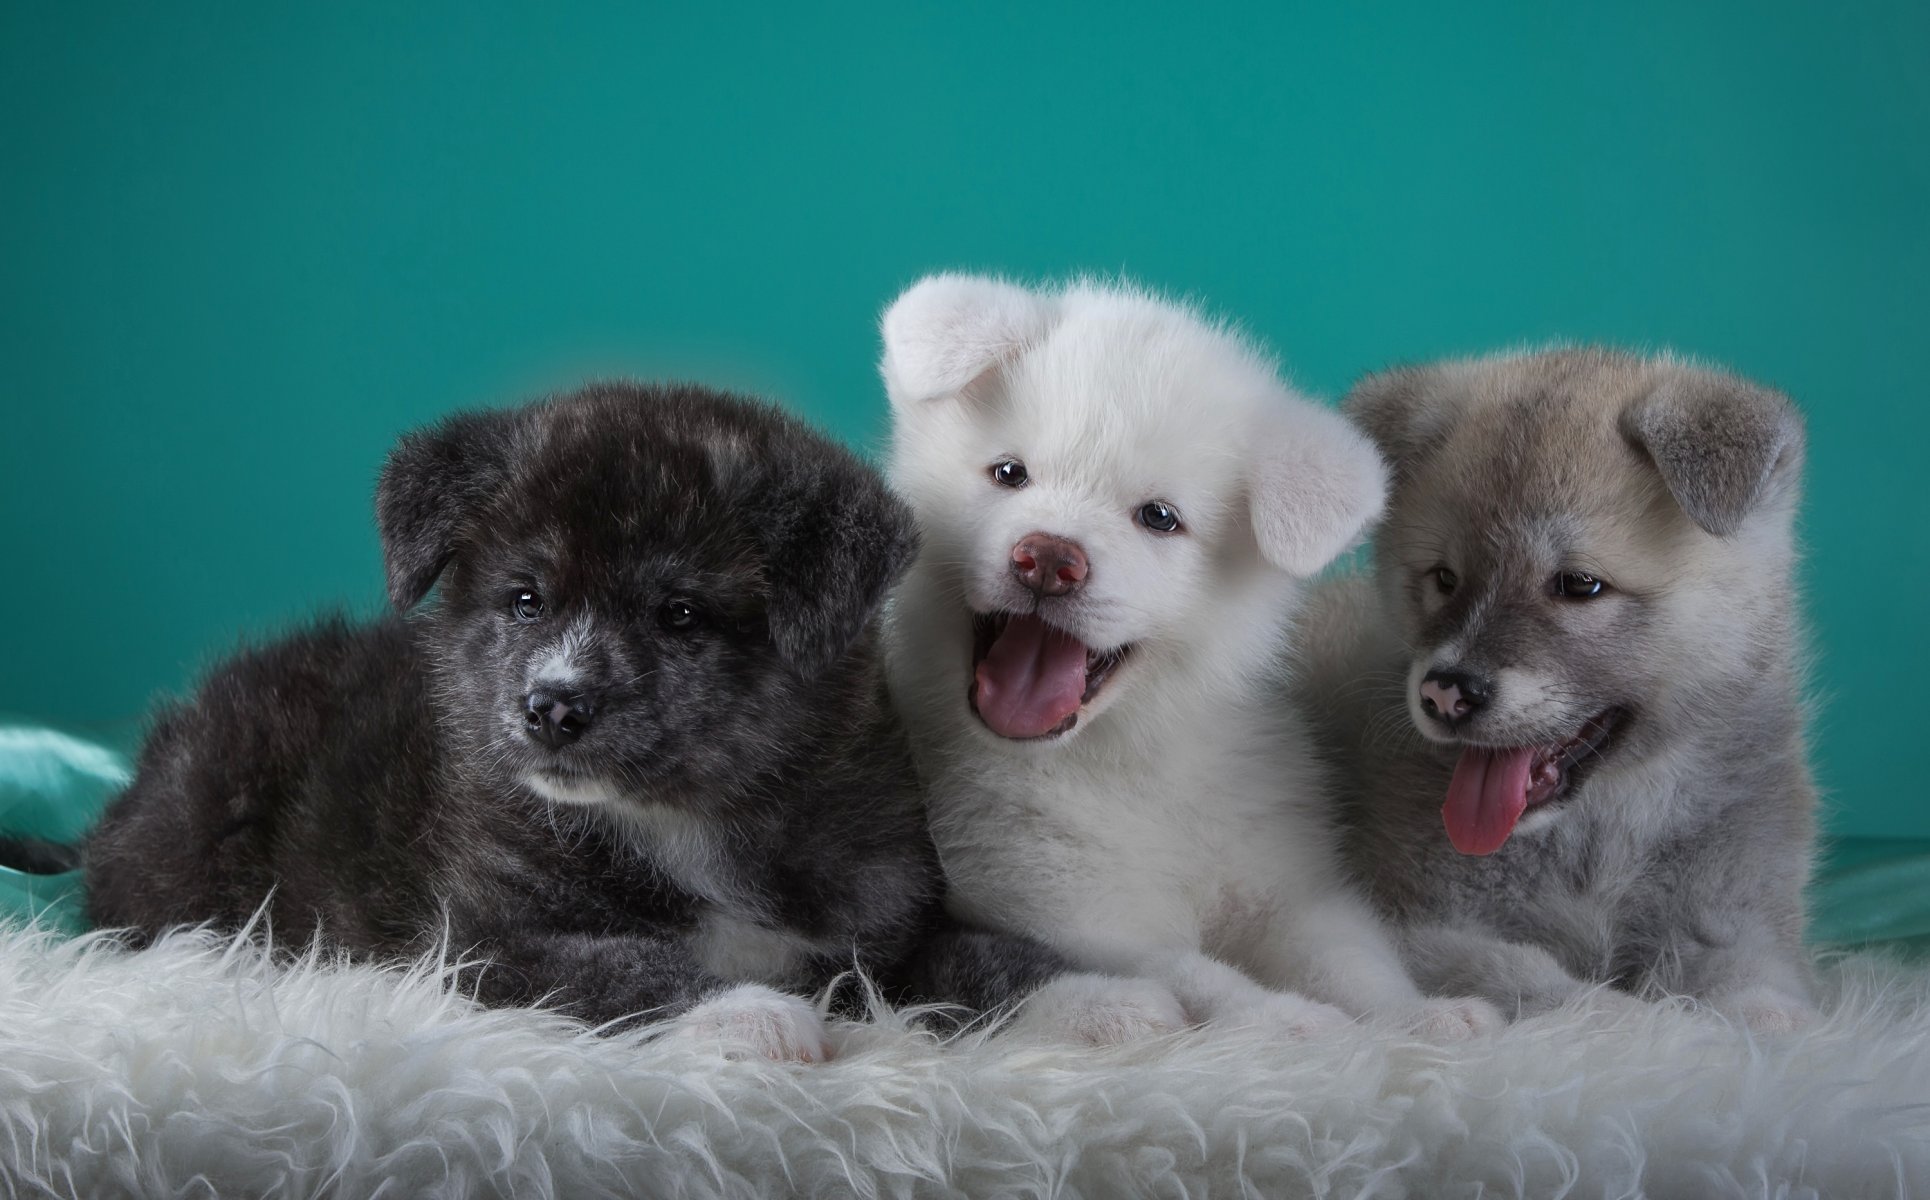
(556, 718)
(1453, 696)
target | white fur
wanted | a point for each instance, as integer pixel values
(558, 789)
(1180, 826)
(759, 1020)
(1098, 1010)
(684, 844)
(558, 668)
(731, 947)
(201, 1067)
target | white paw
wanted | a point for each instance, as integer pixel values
(1285, 1015)
(751, 1018)
(1452, 1020)
(1099, 1010)
(1766, 1010)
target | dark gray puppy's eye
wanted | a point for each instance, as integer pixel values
(1009, 472)
(679, 615)
(527, 606)
(1577, 585)
(1159, 516)
(1444, 580)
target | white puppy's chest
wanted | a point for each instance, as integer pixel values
(1160, 854)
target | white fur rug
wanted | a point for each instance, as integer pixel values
(196, 1068)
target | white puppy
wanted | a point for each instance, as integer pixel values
(1119, 501)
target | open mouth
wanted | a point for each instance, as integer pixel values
(1031, 679)
(1494, 786)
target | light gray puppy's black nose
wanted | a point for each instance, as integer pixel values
(1049, 565)
(1453, 696)
(556, 718)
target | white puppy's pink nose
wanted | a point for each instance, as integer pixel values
(1049, 565)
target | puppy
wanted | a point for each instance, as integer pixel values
(1585, 666)
(1119, 502)
(636, 752)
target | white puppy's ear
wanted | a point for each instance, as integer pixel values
(1317, 482)
(947, 330)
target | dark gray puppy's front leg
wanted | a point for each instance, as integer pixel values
(978, 969)
(597, 978)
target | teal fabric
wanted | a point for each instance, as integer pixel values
(54, 784)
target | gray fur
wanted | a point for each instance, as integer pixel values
(1676, 860)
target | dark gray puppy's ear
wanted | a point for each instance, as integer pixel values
(432, 480)
(1723, 445)
(1404, 410)
(835, 540)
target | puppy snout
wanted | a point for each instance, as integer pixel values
(1451, 697)
(1049, 565)
(555, 717)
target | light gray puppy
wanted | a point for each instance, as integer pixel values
(1582, 658)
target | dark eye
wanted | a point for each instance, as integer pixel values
(1159, 516)
(527, 606)
(1445, 580)
(1578, 586)
(1010, 472)
(679, 615)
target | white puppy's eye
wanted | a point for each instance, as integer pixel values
(1159, 516)
(1009, 472)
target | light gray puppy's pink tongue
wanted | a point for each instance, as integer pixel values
(1487, 795)
(1031, 680)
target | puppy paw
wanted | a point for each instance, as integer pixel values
(1099, 1010)
(753, 1019)
(1766, 1010)
(1454, 1019)
(1285, 1015)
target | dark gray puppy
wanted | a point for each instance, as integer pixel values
(1583, 660)
(636, 752)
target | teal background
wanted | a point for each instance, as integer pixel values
(243, 246)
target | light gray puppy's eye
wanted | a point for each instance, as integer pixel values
(1445, 581)
(1009, 472)
(1159, 516)
(1578, 585)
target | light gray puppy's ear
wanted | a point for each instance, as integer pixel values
(947, 330)
(1404, 409)
(1723, 445)
(1316, 485)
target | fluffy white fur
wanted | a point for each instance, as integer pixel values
(197, 1067)
(1178, 831)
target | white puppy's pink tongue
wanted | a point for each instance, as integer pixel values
(1487, 795)
(1031, 680)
